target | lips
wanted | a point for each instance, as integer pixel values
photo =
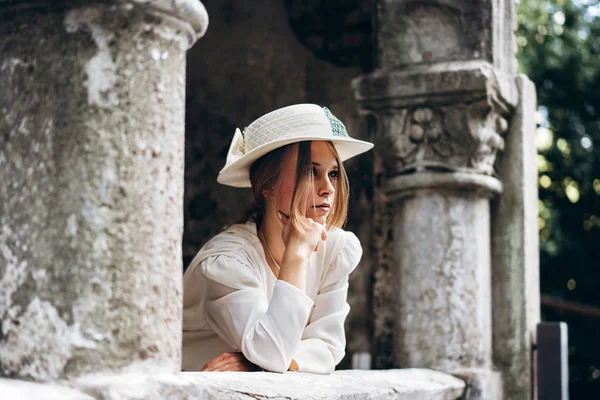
(323, 206)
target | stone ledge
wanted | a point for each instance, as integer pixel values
(442, 83)
(407, 184)
(397, 384)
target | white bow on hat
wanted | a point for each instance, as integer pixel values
(237, 148)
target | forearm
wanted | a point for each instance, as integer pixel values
(271, 340)
(323, 341)
(316, 356)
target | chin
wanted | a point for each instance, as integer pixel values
(321, 220)
(317, 217)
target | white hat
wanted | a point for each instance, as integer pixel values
(278, 128)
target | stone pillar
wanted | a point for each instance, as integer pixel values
(515, 250)
(443, 96)
(91, 165)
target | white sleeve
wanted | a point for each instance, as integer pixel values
(237, 309)
(324, 341)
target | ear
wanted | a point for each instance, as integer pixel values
(265, 193)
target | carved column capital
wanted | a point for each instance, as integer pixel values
(450, 119)
(463, 137)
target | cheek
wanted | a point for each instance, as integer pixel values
(285, 196)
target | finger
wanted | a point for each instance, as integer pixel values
(284, 218)
(211, 364)
(208, 368)
(234, 365)
(225, 367)
(317, 224)
(219, 361)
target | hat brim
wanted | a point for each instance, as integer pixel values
(236, 174)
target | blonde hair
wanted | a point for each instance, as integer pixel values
(265, 174)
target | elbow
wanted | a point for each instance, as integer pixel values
(270, 360)
(337, 354)
(278, 368)
(269, 351)
(268, 364)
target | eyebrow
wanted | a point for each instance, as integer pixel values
(318, 165)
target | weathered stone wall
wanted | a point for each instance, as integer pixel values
(250, 62)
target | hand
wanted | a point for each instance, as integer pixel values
(230, 361)
(298, 244)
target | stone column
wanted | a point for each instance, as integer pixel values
(91, 165)
(443, 96)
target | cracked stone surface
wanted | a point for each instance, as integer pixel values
(139, 383)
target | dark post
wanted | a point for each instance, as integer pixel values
(552, 361)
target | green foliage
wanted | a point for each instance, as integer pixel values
(559, 49)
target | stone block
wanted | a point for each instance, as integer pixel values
(441, 31)
(455, 82)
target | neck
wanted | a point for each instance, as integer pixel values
(271, 230)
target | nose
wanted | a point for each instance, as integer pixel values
(326, 188)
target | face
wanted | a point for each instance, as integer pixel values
(325, 173)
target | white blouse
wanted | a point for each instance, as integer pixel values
(233, 302)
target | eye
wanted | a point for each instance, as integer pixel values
(313, 171)
(334, 175)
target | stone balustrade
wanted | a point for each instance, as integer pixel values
(137, 383)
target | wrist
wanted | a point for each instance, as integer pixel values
(293, 259)
(293, 270)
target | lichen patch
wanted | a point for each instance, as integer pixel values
(100, 69)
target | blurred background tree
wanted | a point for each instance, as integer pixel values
(559, 49)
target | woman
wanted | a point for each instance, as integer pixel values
(270, 292)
